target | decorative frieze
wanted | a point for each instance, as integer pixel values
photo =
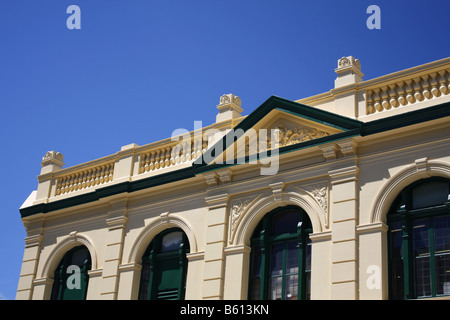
(283, 136)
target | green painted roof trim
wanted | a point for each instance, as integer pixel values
(300, 110)
(351, 128)
(406, 119)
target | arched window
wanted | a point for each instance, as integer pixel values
(71, 276)
(164, 267)
(419, 241)
(280, 265)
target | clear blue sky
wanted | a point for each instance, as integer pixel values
(138, 69)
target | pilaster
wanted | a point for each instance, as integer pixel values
(116, 223)
(30, 260)
(213, 272)
(237, 260)
(373, 261)
(344, 279)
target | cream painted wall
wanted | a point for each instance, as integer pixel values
(345, 193)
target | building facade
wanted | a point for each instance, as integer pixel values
(341, 195)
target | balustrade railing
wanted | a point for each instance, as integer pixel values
(85, 178)
(407, 92)
(171, 155)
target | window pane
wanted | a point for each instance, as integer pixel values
(291, 287)
(171, 241)
(286, 222)
(79, 257)
(430, 194)
(308, 256)
(256, 289)
(277, 259)
(275, 288)
(443, 273)
(442, 234)
(256, 273)
(308, 285)
(144, 281)
(397, 261)
(442, 254)
(292, 258)
(421, 258)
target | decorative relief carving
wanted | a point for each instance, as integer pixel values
(284, 136)
(237, 208)
(237, 211)
(344, 61)
(53, 155)
(230, 98)
(320, 193)
(225, 99)
(349, 61)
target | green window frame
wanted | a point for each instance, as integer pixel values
(280, 258)
(164, 267)
(64, 274)
(419, 241)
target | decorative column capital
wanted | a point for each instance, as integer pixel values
(342, 175)
(217, 201)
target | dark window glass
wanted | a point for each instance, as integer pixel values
(281, 256)
(396, 260)
(429, 194)
(442, 254)
(164, 267)
(421, 253)
(286, 222)
(419, 241)
(71, 276)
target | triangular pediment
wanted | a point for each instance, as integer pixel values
(284, 129)
(280, 124)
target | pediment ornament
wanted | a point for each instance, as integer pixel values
(283, 136)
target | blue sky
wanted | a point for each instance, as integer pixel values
(138, 69)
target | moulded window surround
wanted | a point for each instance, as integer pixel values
(419, 241)
(68, 283)
(280, 264)
(164, 267)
